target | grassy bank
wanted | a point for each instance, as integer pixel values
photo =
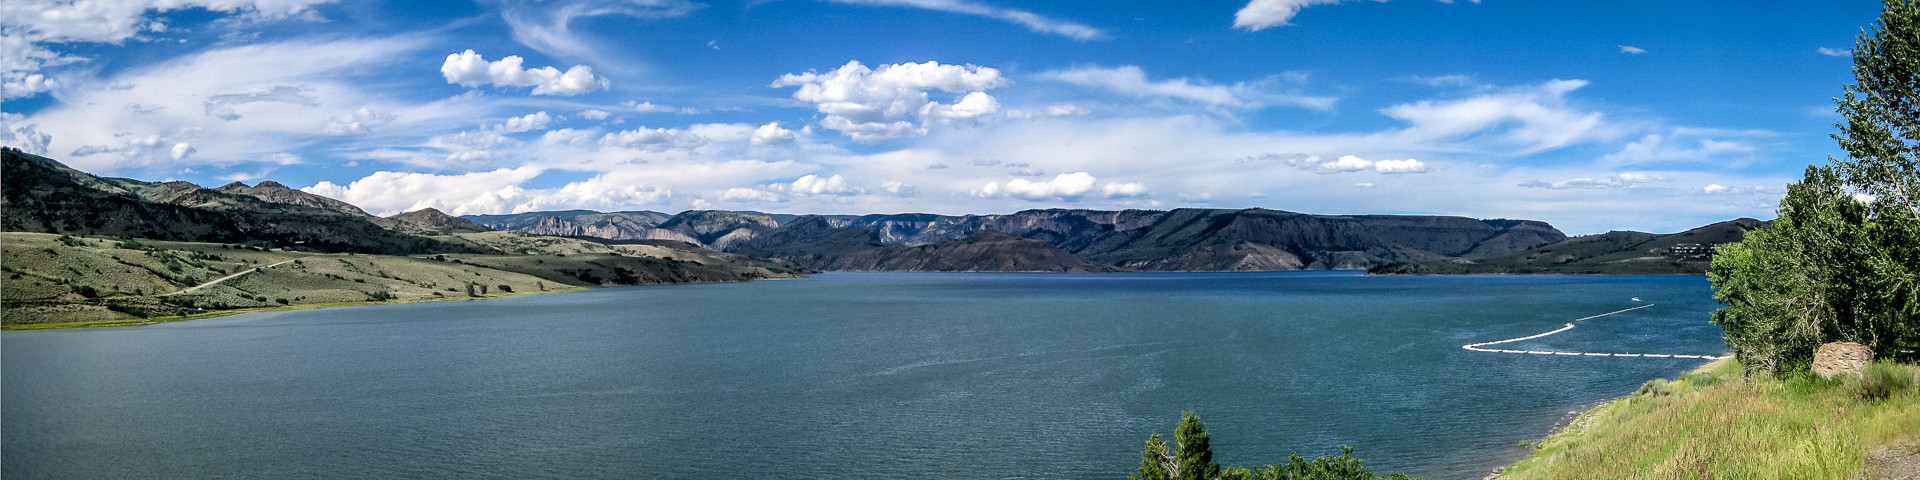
(54, 281)
(1714, 423)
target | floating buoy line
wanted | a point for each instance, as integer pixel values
(1478, 347)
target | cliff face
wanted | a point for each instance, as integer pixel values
(816, 244)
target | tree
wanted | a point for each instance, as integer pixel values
(1837, 266)
(1195, 458)
(1154, 461)
(1882, 131)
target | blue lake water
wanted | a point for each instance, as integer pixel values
(847, 375)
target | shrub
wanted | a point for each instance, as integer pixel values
(87, 291)
(281, 301)
(505, 289)
(1884, 380)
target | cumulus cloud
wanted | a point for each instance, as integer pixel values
(471, 70)
(1065, 186)
(1632, 50)
(1263, 14)
(358, 121)
(772, 134)
(741, 194)
(526, 123)
(1132, 81)
(817, 185)
(1624, 180)
(594, 114)
(1350, 163)
(653, 139)
(182, 150)
(873, 105)
(900, 189)
(495, 191)
(27, 137)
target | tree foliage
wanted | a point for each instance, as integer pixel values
(1837, 266)
(1882, 108)
(1194, 461)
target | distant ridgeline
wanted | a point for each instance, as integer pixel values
(1611, 253)
(1060, 240)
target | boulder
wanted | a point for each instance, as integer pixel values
(1841, 357)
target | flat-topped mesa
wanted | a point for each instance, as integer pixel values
(1171, 240)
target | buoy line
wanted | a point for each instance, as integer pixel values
(1476, 346)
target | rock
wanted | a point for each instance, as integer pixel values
(1841, 357)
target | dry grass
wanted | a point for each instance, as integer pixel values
(1713, 423)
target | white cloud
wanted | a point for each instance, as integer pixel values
(526, 123)
(182, 150)
(1364, 185)
(1539, 116)
(548, 26)
(1123, 190)
(358, 121)
(1718, 189)
(1632, 50)
(1132, 81)
(650, 107)
(739, 194)
(900, 189)
(385, 193)
(1032, 21)
(29, 27)
(1680, 145)
(816, 185)
(27, 137)
(1059, 110)
(1263, 14)
(471, 70)
(1065, 186)
(594, 114)
(1350, 163)
(653, 139)
(1834, 52)
(1624, 180)
(872, 105)
(772, 134)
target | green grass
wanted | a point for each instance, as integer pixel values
(1714, 423)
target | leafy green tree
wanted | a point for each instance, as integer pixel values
(1836, 266)
(1882, 108)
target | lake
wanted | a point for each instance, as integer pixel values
(847, 375)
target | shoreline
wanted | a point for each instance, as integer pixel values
(134, 322)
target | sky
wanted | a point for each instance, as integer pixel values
(1591, 115)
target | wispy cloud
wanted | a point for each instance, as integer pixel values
(1132, 81)
(1632, 50)
(1032, 21)
(1834, 52)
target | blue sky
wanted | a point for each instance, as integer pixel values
(1594, 116)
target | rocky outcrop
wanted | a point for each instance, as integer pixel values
(274, 192)
(433, 220)
(1841, 358)
(859, 249)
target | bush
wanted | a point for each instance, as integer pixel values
(1884, 380)
(281, 301)
(505, 289)
(87, 291)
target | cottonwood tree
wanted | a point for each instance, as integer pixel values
(1837, 266)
